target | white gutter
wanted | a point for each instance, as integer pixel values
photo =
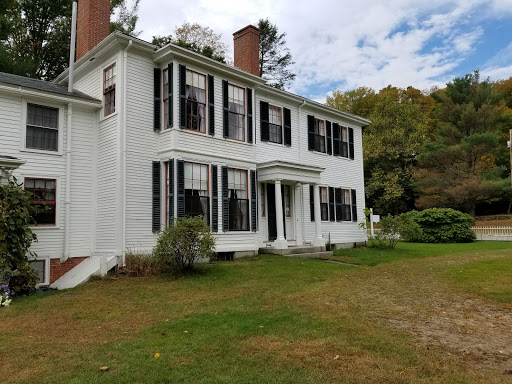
(47, 95)
(72, 49)
(67, 202)
(123, 149)
(302, 189)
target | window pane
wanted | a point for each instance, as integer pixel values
(38, 265)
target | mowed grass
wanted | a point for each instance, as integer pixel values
(404, 250)
(266, 319)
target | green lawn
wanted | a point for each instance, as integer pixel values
(266, 319)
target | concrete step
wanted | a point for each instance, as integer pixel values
(94, 265)
(291, 250)
(311, 255)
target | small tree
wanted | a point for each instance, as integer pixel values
(183, 243)
(16, 216)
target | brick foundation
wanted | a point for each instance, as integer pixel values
(58, 269)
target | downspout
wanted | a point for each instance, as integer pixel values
(123, 149)
(67, 202)
(302, 190)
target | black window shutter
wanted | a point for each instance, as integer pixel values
(156, 196)
(211, 106)
(287, 127)
(183, 100)
(254, 206)
(339, 207)
(170, 192)
(329, 137)
(351, 142)
(312, 202)
(331, 204)
(157, 101)
(249, 115)
(225, 200)
(264, 128)
(170, 113)
(311, 133)
(336, 139)
(181, 188)
(354, 205)
(225, 107)
(215, 199)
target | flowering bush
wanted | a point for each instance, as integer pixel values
(5, 295)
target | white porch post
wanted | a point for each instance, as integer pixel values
(280, 242)
(298, 214)
(319, 240)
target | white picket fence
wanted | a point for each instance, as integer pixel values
(493, 233)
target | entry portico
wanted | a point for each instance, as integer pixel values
(293, 175)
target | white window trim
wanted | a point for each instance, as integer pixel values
(61, 127)
(58, 202)
(46, 270)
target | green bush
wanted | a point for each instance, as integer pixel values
(183, 243)
(437, 225)
(387, 236)
(16, 216)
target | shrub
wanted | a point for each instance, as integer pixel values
(16, 216)
(387, 236)
(437, 225)
(137, 264)
(183, 243)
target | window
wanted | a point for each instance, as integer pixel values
(238, 200)
(44, 198)
(275, 124)
(39, 266)
(343, 143)
(319, 135)
(197, 197)
(109, 90)
(287, 201)
(236, 101)
(42, 127)
(165, 97)
(345, 205)
(324, 204)
(195, 94)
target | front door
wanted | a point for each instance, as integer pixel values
(271, 211)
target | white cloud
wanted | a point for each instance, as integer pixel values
(351, 44)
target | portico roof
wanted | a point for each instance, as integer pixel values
(284, 170)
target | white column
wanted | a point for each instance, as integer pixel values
(318, 241)
(280, 242)
(298, 214)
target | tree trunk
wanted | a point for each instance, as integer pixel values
(509, 207)
(472, 210)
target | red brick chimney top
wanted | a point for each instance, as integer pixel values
(93, 24)
(247, 49)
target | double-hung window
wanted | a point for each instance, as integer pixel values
(343, 143)
(324, 204)
(43, 198)
(275, 124)
(109, 90)
(195, 94)
(319, 135)
(345, 205)
(197, 196)
(42, 127)
(236, 102)
(238, 200)
(165, 98)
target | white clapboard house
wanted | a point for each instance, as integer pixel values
(149, 135)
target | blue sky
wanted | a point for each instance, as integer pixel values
(347, 44)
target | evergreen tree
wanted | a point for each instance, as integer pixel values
(275, 57)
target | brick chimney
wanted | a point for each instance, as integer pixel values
(93, 24)
(247, 49)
